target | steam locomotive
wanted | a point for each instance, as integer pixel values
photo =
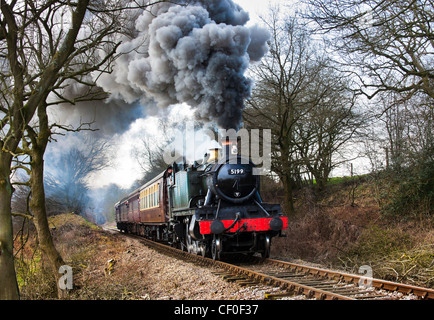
(212, 208)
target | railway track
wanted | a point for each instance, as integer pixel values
(331, 285)
(296, 279)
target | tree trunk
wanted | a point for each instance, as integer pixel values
(321, 180)
(285, 174)
(37, 206)
(37, 201)
(8, 280)
(288, 199)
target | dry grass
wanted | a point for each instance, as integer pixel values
(84, 247)
(116, 267)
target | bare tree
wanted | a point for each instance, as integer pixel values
(325, 130)
(407, 127)
(44, 46)
(150, 153)
(278, 99)
(37, 206)
(66, 183)
(23, 90)
(388, 44)
(303, 100)
(150, 157)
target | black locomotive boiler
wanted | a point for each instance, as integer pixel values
(212, 208)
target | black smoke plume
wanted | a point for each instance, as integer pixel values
(193, 52)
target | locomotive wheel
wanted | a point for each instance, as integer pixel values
(202, 249)
(175, 242)
(267, 246)
(193, 246)
(188, 240)
(216, 248)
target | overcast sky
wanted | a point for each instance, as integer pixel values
(257, 8)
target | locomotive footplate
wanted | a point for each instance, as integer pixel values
(249, 218)
(246, 225)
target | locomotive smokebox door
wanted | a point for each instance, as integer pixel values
(233, 180)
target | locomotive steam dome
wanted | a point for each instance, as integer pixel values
(232, 179)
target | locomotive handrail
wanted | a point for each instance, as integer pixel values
(206, 173)
(218, 209)
(261, 207)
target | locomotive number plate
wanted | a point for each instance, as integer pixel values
(236, 171)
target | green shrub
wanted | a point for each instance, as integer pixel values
(376, 242)
(414, 193)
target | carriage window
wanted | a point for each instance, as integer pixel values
(155, 195)
(150, 197)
